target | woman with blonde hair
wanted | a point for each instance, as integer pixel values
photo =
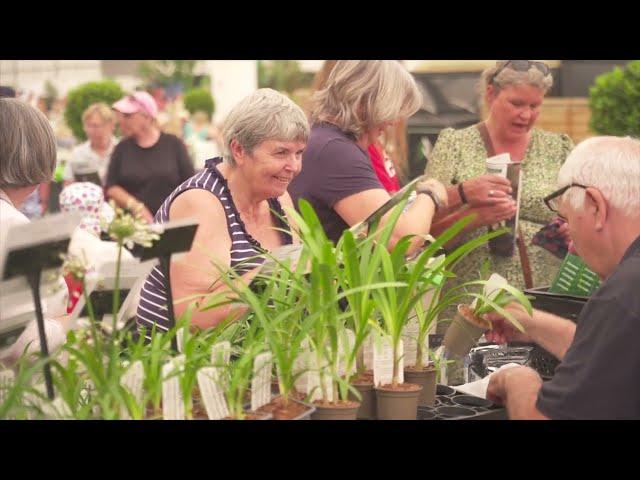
(513, 91)
(99, 122)
(359, 101)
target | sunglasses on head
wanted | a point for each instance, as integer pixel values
(523, 66)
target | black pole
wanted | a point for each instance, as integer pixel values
(34, 283)
(165, 261)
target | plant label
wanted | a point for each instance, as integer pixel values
(172, 402)
(383, 361)
(180, 340)
(132, 381)
(410, 340)
(301, 367)
(57, 409)
(212, 395)
(317, 373)
(220, 356)
(498, 164)
(346, 344)
(494, 282)
(367, 351)
(221, 353)
(7, 379)
(261, 381)
(442, 362)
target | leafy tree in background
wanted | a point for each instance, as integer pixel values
(199, 99)
(168, 73)
(283, 75)
(50, 94)
(78, 99)
(615, 101)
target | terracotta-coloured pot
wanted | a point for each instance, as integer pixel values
(340, 411)
(397, 404)
(464, 332)
(425, 378)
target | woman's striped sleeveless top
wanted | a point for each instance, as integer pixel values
(152, 308)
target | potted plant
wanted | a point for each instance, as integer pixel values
(470, 322)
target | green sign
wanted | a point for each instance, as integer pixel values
(575, 278)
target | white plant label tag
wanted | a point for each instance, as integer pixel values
(261, 381)
(212, 395)
(440, 354)
(7, 379)
(132, 381)
(35, 400)
(221, 353)
(57, 409)
(367, 351)
(383, 361)
(494, 282)
(347, 337)
(301, 367)
(410, 340)
(220, 356)
(315, 375)
(180, 340)
(498, 164)
(172, 402)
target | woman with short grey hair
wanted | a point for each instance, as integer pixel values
(358, 102)
(238, 204)
(513, 92)
(27, 158)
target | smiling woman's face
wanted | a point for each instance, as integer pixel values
(271, 166)
(515, 108)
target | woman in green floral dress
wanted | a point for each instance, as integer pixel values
(514, 91)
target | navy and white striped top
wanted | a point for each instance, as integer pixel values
(152, 308)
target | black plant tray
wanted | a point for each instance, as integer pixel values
(452, 405)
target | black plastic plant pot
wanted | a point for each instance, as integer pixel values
(451, 412)
(444, 390)
(471, 401)
(424, 414)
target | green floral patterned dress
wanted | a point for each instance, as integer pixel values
(460, 155)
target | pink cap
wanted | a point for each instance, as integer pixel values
(139, 101)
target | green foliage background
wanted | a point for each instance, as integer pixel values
(78, 99)
(614, 100)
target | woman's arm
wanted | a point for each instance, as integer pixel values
(195, 272)
(125, 200)
(416, 220)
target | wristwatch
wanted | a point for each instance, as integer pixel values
(427, 191)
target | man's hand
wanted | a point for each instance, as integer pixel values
(503, 330)
(497, 390)
(486, 190)
(517, 388)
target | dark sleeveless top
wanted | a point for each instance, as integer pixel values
(152, 308)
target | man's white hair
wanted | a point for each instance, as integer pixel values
(610, 164)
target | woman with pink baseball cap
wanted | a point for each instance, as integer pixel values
(148, 164)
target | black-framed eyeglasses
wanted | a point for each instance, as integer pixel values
(551, 200)
(523, 66)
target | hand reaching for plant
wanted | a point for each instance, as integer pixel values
(503, 331)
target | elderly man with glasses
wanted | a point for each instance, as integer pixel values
(597, 378)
